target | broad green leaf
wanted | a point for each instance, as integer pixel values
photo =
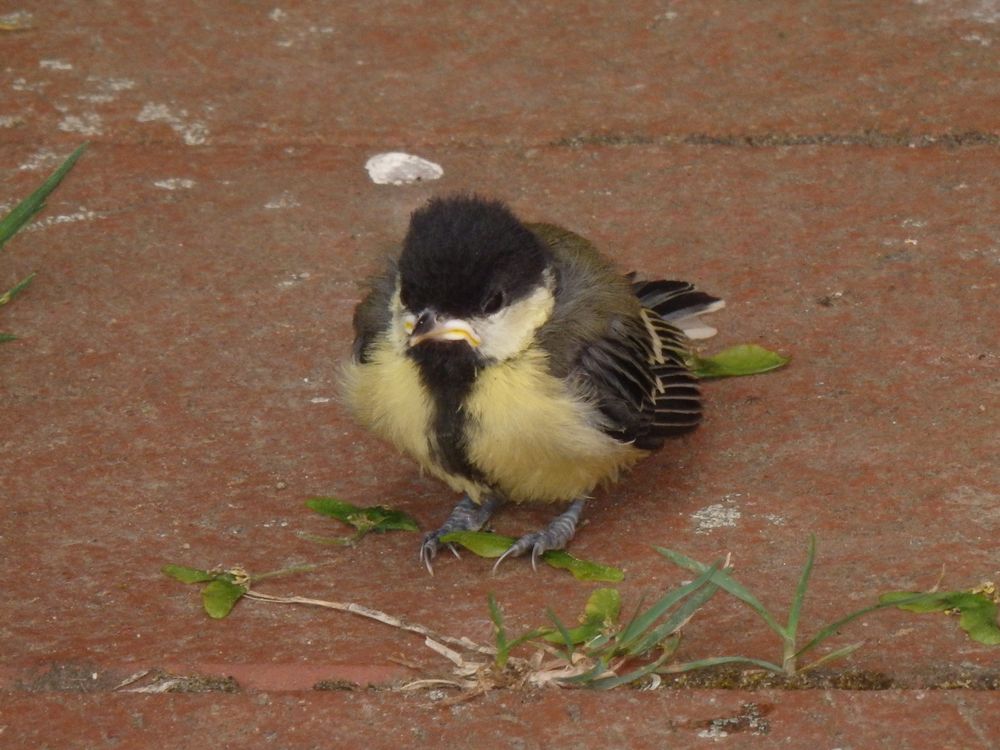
(377, 518)
(978, 613)
(481, 543)
(601, 612)
(745, 359)
(490, 545)
(603, 606)
(583, 570)
(21, 213)
(188, 575)
(219, 597)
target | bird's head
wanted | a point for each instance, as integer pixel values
(471, 275)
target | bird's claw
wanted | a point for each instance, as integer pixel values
(536, 541)
(429, 549)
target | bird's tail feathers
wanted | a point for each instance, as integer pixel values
(678, 303)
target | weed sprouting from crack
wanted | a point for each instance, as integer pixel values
(603, 651)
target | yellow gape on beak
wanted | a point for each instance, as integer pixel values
(429, 327)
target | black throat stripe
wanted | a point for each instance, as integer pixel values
(448, 371)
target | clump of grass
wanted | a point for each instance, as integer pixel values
(792, 652)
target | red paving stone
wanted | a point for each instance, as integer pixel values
(172, 397)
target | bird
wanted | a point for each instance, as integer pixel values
(516, 364)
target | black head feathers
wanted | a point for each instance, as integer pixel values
(465, 255)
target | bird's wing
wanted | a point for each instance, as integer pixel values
(639, 380)
(612, 344)
(374, 313)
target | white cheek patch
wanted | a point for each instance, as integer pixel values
(511, 330)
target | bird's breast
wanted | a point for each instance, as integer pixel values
(536, 439)
(524, 432)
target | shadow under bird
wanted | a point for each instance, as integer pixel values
(514, 363)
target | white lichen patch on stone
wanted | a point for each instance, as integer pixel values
(18, 19)
(85, 124)
(55, 65)
(23, 84)
(397, 168)
(192, 133)
(296, 279)
(285, 200)
(41, 158)
(175, 183)
(716, 516)
(81, 214)
(10, 121)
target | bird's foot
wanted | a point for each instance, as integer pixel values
(468, 515)
(554, 536)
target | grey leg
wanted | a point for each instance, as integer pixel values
(468, 515)
(554, 536)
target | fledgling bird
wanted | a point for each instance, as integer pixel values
(513, 362)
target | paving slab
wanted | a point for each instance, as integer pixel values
(172, 396)
(541, 719)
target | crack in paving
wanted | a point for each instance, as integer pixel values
(870, 138)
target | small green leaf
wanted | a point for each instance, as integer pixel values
(603, 606)
(377, 518)
(601, 613)
(219, 597)
(188, 575)
(583, 570)
(5, 337)
(481, 543)
(745, 359)
(21, 213)
(490, 545)
(978, 613)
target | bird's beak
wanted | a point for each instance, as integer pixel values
(429, 326)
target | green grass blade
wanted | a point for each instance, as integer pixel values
(839, 653)
(834, 627)
(499, 631)
(606, 683)
(15, 290)
(800, 592)
(562, 632)
(529, 636)
(726, 583)
(715, 661)
(589, 676)
(644, 620)
(676, 620)
(21, 213)
(5, 337)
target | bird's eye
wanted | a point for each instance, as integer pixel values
(494, 302)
